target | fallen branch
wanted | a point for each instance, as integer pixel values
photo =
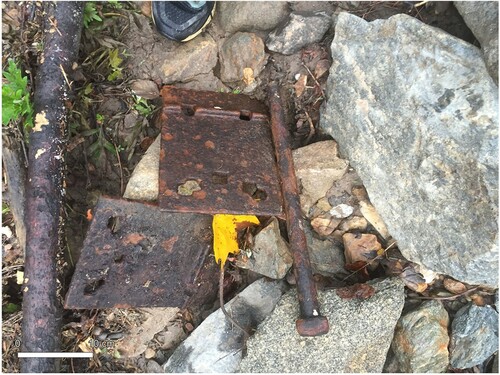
(44, 189)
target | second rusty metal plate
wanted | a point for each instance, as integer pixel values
(135, 255)
(217, 155)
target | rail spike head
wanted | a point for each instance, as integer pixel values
(313, 326)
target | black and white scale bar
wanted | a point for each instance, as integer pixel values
(53, 355)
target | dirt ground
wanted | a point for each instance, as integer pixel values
(109, 131)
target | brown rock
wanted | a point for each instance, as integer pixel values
(242, 51)
(149, 353)
(317, 166)
(453, 286)
(145, 88)
(324, 224)
(374, 218)
(354, 223)
(361, 247)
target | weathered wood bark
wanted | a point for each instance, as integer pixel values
(14, 165)
(44, 191)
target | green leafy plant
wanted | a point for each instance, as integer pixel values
(90, 14)
(5, 208)
(115, 62)
(141, 105)
(115, 4)
(16, 102)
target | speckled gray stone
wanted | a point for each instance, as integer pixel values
(421, 339)
(143, 184)
(474, 336)
(359, 338)
(215, 345)
(415, 112)
(302, 29)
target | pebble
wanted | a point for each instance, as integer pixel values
(341, 211)
(149, 353)
(361, 247)
(354, 223)
(115, 336)
(370, 214)
(270, 254)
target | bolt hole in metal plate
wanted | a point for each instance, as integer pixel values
(217, 155)
(135, 255)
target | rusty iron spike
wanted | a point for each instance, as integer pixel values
(310, 323)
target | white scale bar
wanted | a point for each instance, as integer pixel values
(53, 355)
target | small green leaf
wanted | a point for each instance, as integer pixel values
(10, 308)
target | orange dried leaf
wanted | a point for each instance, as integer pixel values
(225, 229)
(300, 85)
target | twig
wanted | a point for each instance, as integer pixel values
(121, 171)
(65, 76)
(221, 300)
(370, 262)
(312, 130)
(54, 24)
(314, 78)
(449, 297)
(421, 3)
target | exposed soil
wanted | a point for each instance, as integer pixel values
(110, 130)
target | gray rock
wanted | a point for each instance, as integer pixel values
(327, 256)
(205, 82)
(358, 339)
(215, 345)
(189, 60)
(474, 336)
(482, 18)
(160, 59)
(313, 6)
(248, 16)
(143, 184)
(242, 50)
(145, 88)
(154, 367)
(317, 166)
(270, 255)
(421, 339)
(416, 113)
(302, 29)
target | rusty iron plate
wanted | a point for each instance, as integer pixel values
(217, 155)
(135, 255)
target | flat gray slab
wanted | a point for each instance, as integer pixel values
(360, 334)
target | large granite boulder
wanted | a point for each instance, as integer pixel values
(416, 113)
(482, 18)
(361, 331)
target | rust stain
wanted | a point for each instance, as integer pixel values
(168, 192)
(167, 136)
(133, 239)
(168, 245)
(200, 194)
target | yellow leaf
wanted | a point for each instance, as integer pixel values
(19, 277)
(225, 229)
